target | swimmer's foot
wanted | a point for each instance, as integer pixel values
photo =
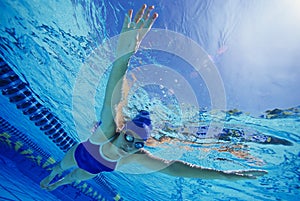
(56, 170)
(45, 182)
(61, 182)
(52, 187)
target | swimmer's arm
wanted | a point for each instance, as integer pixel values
(113, 96)
(182, 169)
(128, 43)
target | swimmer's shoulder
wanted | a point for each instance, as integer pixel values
(102, 135)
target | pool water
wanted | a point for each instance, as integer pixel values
(201, 61)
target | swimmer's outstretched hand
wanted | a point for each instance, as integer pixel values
(134, 30)
(244, 174)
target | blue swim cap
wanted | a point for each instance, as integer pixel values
(143, 117)
(141, 124)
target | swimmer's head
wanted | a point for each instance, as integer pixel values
(140, 124)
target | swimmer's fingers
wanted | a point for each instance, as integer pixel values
(136, 28)
(145, 22)
(249, 174)
(147, 13)
(127, 20)
(256, 173)
(149, 22)
(140, 14)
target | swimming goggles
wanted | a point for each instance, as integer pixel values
(130, 138)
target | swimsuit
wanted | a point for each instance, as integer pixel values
(89, 157)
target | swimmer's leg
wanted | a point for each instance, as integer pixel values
(76, 175)
(67, 162)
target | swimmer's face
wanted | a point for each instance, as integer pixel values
(130, 142)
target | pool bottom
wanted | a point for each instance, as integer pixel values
(18, 185)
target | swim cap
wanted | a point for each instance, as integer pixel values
(140, 124)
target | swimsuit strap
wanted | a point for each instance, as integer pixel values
(108, 140)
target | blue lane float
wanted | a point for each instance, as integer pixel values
(20, 94)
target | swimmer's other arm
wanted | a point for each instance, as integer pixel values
(183, 169)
